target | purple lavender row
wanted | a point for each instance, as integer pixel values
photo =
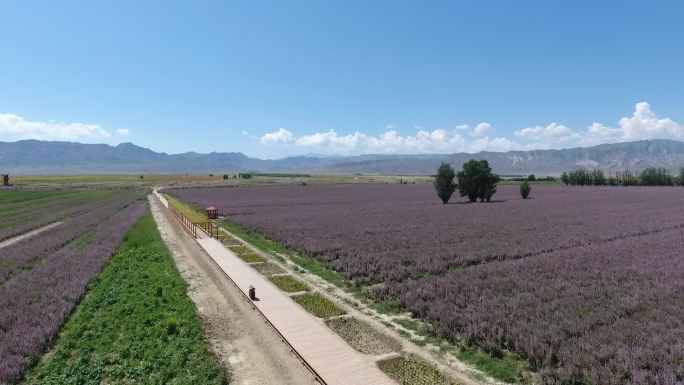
(34, 304)
(29, 251)
(395, 232)
(48, 214)
(606, 314)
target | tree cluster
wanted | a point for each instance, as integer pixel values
(533, 178)
(649, 177)
(475, 180)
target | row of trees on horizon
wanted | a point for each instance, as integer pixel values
(476, 180)
(649, 177)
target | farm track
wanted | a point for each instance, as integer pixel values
(241, 340)
(31, 233)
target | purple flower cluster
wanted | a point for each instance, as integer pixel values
(601, 314)
(394, 232)
(587, 283)
(44, 276)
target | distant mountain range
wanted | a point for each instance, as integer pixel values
(44, 157)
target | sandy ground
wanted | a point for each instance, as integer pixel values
(31, 233)
(238, 336)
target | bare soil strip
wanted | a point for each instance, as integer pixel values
(31, 233)
(239, 337)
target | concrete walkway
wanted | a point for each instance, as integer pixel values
(328, 355)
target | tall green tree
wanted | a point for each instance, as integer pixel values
(525, 189)
(444, 182)
(476, 180)
(565, 178)
(680, 177)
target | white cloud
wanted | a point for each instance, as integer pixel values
(552, 131)
(643, 124)
(389, 142)
(14, 125)
(482, 129)
(282, 136)
(123, 131)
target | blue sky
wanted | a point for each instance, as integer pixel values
(272, 79)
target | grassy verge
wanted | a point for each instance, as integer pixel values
(288, 283)
(506, 368)
(135, 325)
(318, 305)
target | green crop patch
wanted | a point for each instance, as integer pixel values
(135, 325)
(288, 283)
(414, 371)
(318, 305)
(239, 249)
(252, 258)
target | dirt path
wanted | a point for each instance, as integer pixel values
(31, 233)
(237, 335)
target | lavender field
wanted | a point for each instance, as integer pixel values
(586, 283)
(42, 277)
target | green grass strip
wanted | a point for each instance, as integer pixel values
(505, 368)
(288, 283)
(135, 325)
(318, 305)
